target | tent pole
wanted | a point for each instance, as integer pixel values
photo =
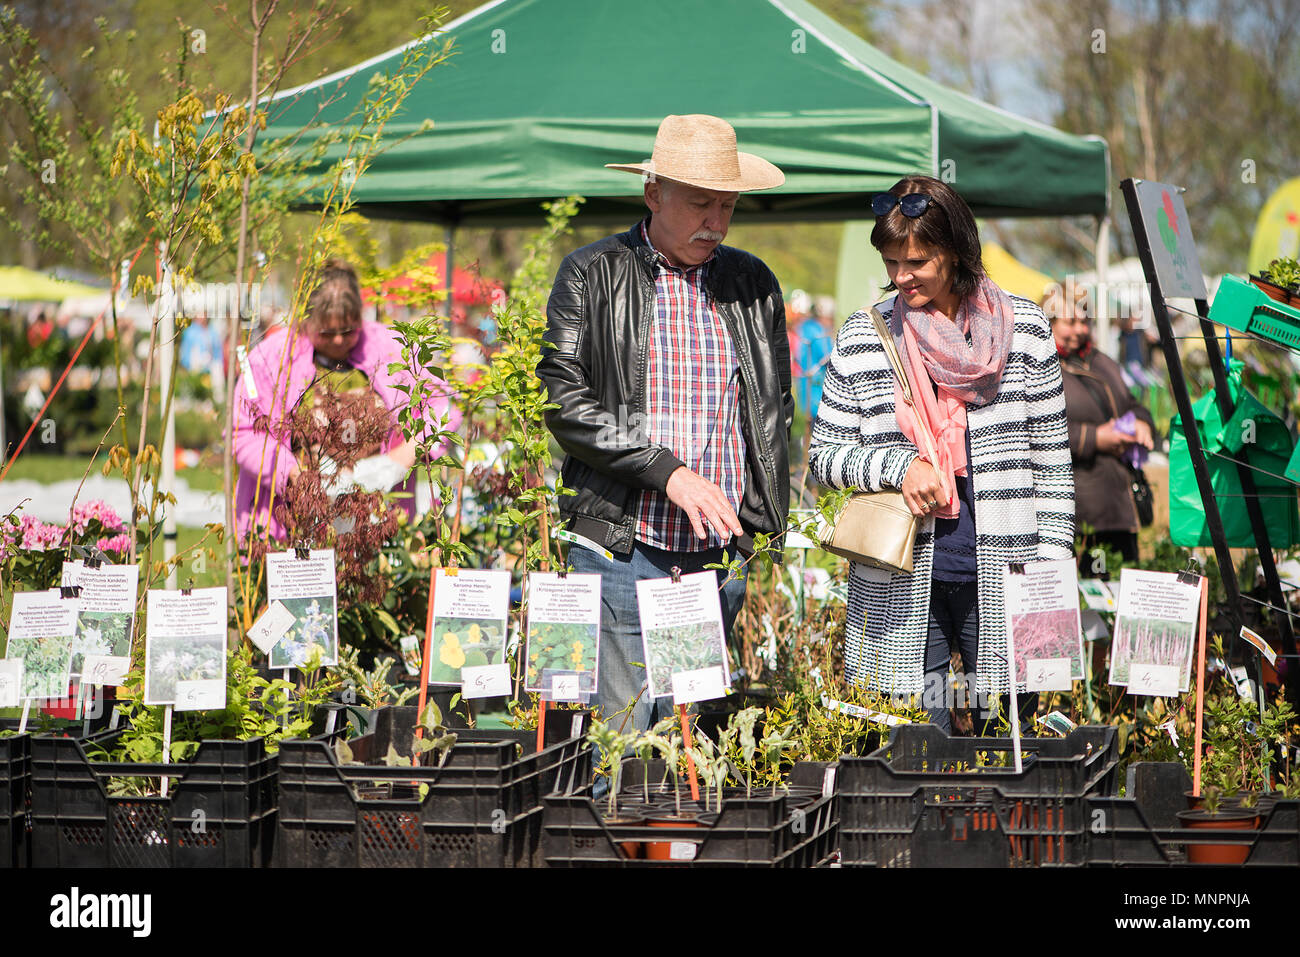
(1102, 304)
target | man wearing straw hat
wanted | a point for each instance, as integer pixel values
(668, 361)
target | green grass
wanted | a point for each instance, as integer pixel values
(58, 468)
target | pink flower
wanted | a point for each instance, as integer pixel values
(118, 543)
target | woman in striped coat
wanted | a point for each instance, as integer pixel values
(998, 485)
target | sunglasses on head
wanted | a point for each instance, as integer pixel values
(912, 204)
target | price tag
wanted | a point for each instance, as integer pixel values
(1159, 680)
(11, 683)
(704, 684)
(1259, 644)
(205, 695)
(682, 850)
(485, 681)
(105, 669)
(270, 628)
(1047, 674)
(566, 688)
(828, 783)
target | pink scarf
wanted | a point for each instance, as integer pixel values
(935, 348)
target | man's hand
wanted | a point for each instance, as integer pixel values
(703, 503)
(921, 487)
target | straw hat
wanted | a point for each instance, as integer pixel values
(700, 150)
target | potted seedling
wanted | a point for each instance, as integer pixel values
(1280, 280)
(1215, 816)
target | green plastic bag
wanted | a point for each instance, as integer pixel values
(1253, 433)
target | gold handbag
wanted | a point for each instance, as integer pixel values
(877, 528)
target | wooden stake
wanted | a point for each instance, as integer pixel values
(690, 762)
(1200, 689)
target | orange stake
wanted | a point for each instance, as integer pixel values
(690, 762)
(1200, 690)
(541, 722)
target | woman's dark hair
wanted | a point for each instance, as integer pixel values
(947, 223)
(337, 296)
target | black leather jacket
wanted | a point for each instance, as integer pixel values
(594, 367)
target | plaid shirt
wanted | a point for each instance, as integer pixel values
(692, 402)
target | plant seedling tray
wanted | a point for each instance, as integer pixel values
(928, 800)
(1243, 306)
(796, 828)
(219, 810)
(481, 808)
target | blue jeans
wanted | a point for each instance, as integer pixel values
(622, 655)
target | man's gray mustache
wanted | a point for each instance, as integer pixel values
(709, 235)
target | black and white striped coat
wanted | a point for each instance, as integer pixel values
(1020, 471)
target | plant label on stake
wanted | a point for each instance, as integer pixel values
(470, 608)
(41, 629)
(205, 695)
(1259, 644)
(11, 682)
(106, 614)
(681, 631)
(271, 627)
(410, 645)
(563, 631)
(485, 681)
(1158, 680)
(1154, 625)
(703, 684)
(185, 641)
(304, 582)
(1042, 613)
(105, 670)
(564, 686)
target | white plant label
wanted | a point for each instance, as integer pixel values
(1159, 680)
(681, 629)
(1155, 624)
(106, 609)
(1048, 674)
(703, 684)
(1042, 615)
(682, 850)
(185, 641)
(565, 688)
(563, 630)
(11, 682)
(485, 681)
(41, 629)
(271, 626)
(1259, 644)
(105, 670)
(307, 587)
(206, 695)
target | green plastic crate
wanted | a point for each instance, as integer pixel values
(1243, 306)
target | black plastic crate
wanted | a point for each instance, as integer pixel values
(482, 808)
(929, 800)
(796, 828)
(219, 811)
(15, 787)
(1123, 834)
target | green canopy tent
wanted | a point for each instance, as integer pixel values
(540, 94)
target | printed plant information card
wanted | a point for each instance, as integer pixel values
(41, 628)
(184, 646)
(563, 631)
(1042, 609)
(681, 629)
(1155, 625)
(307, 588)
(106, 618)
(470, 607)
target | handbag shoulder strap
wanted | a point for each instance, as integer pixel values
(896, 363)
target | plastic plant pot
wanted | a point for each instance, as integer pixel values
(670, 850)
(1236, 819)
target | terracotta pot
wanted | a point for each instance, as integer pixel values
(1226, 820)
(663, 850)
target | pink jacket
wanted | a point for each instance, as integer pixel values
(258, 453)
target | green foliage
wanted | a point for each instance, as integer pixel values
(372, 687)
(1284, 272)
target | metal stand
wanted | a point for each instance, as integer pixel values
(1213, 518)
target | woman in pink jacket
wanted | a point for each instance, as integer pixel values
(332, 350)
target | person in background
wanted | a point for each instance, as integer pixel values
(334, 350)
(996, 488)
(1110, 432)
